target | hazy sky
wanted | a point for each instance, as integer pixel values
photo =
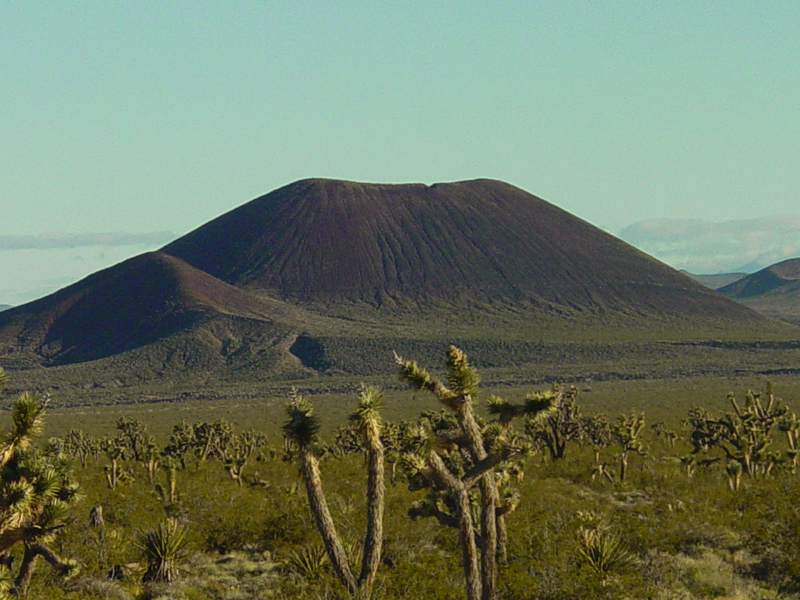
(124, 124)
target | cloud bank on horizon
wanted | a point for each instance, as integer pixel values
(54, 240)
(32, 266)
(698, 246)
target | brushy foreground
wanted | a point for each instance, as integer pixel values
(605, 506)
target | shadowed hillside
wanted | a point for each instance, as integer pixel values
(766, 280)
(138, 302)
(774, 291)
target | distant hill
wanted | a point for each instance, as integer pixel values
(715, 281)
(150, 300)
(773, 291)
(280, 286)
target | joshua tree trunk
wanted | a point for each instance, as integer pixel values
(490, 502)
(309, 471)
(152, 467)
(469, 550)
(97, 522)
(301, 433)
(376, 488)
(112, 474)
(466, 527)
(26, 570)
(172, 480)
(490, 499)
(623, 466)
(502, 539)
(28, 566)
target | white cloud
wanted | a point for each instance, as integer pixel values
(52, 240)
(703, 247)
(34, 266)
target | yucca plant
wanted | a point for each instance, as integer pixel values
(5, 575)
(164, 548)
(603, 550)
(308, 562)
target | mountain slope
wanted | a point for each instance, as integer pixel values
(326, 242)
(330, 276)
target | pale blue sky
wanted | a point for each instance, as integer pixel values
(146, 117)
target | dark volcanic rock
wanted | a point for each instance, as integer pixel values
(323, 241)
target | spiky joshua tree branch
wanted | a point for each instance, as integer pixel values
(450, 456)
(36, 491)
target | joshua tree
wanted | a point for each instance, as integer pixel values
(734, 472)
(562, 426)
(35, 493)
(663, 432)
(350, 440)
(203, 440)
(80, 445)
(601, 470)
(627, 434)
(236, 454)
(169, 491)
(133, 436)
(151, 457)
(454, 452)
(596, 432)
(301, 434)
(790, 425)
(746, 434)
(132, 443)
(690, 462)
(117, 453)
